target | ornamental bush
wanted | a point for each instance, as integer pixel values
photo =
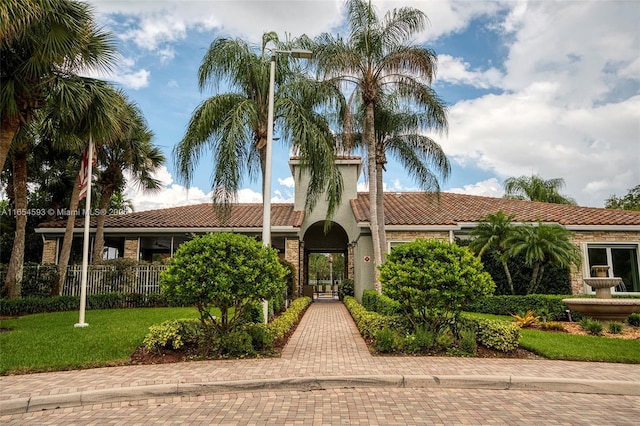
(433, 280)
(225, 271)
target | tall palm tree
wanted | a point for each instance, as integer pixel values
(42, 42)
(377, 58)
(233, 125)
(491, 234)
(133, 152)
(542, 245)
(535, 188)
(97, 114)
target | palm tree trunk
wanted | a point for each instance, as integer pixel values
(534, 278)
(380, 203)
(65, 251)
(508, 274)
(369, 137)
(98, 243)
(10, 126)
(13, 281)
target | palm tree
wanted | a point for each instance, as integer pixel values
(542, 245)
(490, 235)
(234, 124)
(133, 152)
(41, 43)
(376, 58)
(121, 204)
(535, 188)
(397, 133)
(97, 114)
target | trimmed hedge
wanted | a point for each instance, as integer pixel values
(283, 324)
(36, 305)
(501, 335)
(380, 303)
(370, 323)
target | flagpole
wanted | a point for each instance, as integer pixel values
(85, 241)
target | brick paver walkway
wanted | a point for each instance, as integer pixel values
(326, 344)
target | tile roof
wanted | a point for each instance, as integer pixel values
(197, 216)
(419, 208)
(404, 208)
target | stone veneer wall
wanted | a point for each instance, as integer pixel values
(131, 248)
(50, 251)
(292, 255)
(350, 262)
(580, 237)
(412, 235)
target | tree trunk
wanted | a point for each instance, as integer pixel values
(13, 281)
(10, 126)
(369, 137)
(98, 242)
(380, 203)
(534, 278)
(508, 274)
(65, 251)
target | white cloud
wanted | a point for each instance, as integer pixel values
(288, 182)
(456, 71)
(173, 194)
(562, 113)
(485, 188)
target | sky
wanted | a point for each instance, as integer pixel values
(533, 87)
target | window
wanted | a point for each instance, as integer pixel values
(622, 261)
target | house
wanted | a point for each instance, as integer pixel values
(604, 236)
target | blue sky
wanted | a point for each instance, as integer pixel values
(539, 87)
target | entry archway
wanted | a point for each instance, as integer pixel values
(332, 243)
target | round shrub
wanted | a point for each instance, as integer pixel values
(225, 271)
(433, 280)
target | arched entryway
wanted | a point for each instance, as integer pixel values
(325, 260)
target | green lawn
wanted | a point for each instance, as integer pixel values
(47, 342)
(566, 346)
(580, 348)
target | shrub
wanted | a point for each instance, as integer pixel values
(500, 335)
(172, 334)
(525, 320)
(380, 303)
(468, 341)
(615, 328)
(387, 341)
(236, 344)
(634, 319)
(282, 325)
(433, 280)
(222, 270)
(261, 339)
(345, 289)
(290, 278)
(591, 326)
(369, 323)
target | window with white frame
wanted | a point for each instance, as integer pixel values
(622, 260)
(393, 244)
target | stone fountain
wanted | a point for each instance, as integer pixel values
(603, 307)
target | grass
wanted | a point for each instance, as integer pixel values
(580, 348)
(553, 345)
(49, 342)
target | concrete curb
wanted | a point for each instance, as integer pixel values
(520, 383)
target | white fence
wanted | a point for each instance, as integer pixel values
(105, 279)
